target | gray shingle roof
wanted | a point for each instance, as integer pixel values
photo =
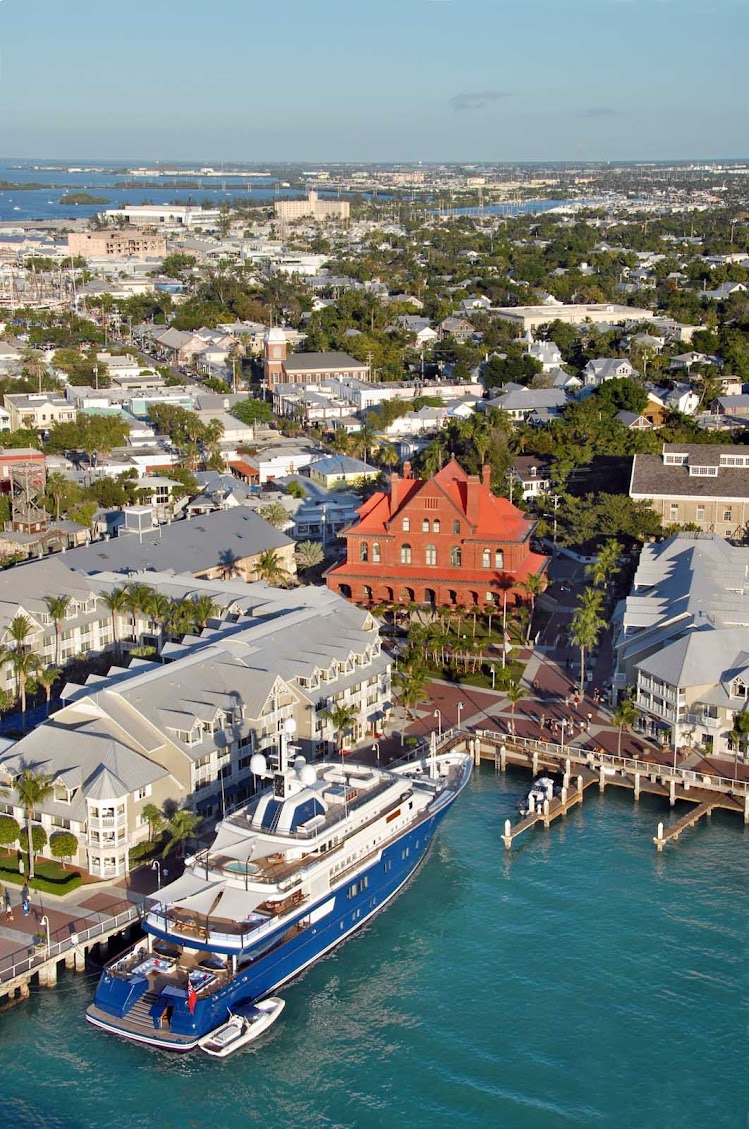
(184, 546)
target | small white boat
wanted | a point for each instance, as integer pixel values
(544, 788)
(246, 1023)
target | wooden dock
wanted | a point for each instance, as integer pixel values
(571, 795)
(580, 768)
(692, 817)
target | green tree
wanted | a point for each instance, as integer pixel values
(308, 554)
(253, 411)
(412, 681)
(117, 602)
(179, 829)
(47, 679)
(33, 789)
(63, 845)
(25, 665)
(270, 569)
(623, 717)
(10, 829)
(58, 606)
(204, 609)
(275, 514)
(586, 627)
(342, 718)
(155, 818)
(19, 630)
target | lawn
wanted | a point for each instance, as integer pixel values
(50, 877)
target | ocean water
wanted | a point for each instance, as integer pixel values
(583, 981)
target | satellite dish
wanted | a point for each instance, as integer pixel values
(299, 763)
(308, 776)
(258, 765)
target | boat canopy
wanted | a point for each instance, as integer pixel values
(187, 886)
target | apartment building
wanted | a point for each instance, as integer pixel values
(696, 483)
(185, 730)
(682, 639)
(132, 243)
(38, 411)
(312, 207)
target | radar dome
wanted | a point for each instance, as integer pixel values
(299, 763)
(308, 776)
(258, 765)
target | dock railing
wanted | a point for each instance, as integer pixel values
(68, 938)
(594, 759)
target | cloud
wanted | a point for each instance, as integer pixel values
(477, 100)
(598, 112)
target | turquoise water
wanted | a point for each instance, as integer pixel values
(585, 981)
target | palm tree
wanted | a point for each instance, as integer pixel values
(180, 618)
(275, 514)
(46, 679)
(57, 489)
(57, 606)
(363, 440)
(605, 565)
(25, 665)
(138, 601)
(32, 788)
(342, 719)
(515, 693)
(624, 718)
(158, 609)
(586, 627)
(180, 828)
(309, 554)
(387, 456)
(739, 734)
(155, 819)
(270, 569)
(117, 602)
(412, 682)
(533, 586)
(19, 629)
(204, 609)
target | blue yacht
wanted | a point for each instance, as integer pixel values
(292, 874)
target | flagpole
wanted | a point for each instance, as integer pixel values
(504, 629)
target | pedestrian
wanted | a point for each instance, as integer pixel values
(25, 900)
(542, 721)
(576, 699)
(8, 906)
(535, 685)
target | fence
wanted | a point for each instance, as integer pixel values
(66, 939)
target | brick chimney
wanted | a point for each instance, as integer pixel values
(486, 475)
(407, 471)
(393, 492)
(472, 499)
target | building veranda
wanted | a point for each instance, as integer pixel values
(443, 541)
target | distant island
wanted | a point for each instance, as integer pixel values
(13, 184)
(82, 198)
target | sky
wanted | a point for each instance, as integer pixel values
(373, 80)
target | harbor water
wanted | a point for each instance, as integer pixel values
(583, 980)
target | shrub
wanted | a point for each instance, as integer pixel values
(10, 829)
(38, 837)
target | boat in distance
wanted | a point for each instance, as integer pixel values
(244, 1025)
(289, 876)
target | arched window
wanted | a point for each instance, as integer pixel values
(499, 558)
(436, 525)
(406, 524)
(431, 555)
(363, 551)
(405, 554)
(425, 525)
(456, 527)
(486, 558)
(456, 557)
(491, 597)
(376, 552)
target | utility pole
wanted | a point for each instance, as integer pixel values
(555, 500)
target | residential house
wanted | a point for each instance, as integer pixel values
(529, 404)
(607, 368)
(547, 353)
(337, 469)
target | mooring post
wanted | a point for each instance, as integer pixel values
(535, 761)
(507, 837)
(746, 807)
(24, 990)
(80, 960)
(503, 756)
(564, 793)
(602, 779)
(659, 837)
(580, 786)
(637, 785)
(672, 791)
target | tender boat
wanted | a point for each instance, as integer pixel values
(543, 788)
(246, 1023)
(290, 875)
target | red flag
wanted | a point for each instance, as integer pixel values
(192, 997)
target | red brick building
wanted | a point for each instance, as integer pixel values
(447, 540)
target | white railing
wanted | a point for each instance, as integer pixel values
(32, 957)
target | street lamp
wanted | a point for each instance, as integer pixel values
(156, 865)
(460, 708)
(376, 750)
(44, 920)
(438, 715)
(563, 726)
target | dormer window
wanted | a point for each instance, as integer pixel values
(406, 524)
(738, 688)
